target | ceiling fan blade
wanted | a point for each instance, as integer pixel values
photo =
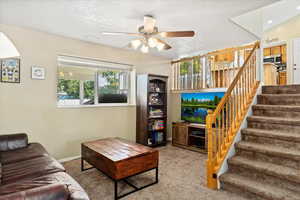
(121, 33)
(166, 45)
(149, 23)
(177, 34)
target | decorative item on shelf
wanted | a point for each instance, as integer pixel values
(38, 73)
(10, 70)
(156, 87)
(155, 99)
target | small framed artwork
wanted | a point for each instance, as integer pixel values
(10, 70)
(38, 73)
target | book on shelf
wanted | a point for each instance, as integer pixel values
(156, 125)
(154, 112)
(156, 137)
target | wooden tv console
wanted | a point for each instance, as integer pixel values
(182, 136)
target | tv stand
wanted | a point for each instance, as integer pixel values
(189, 136)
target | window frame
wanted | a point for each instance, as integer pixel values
(89, 62)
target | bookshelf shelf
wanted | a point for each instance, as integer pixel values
(151, 110)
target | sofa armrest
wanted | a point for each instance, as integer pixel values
(12, 142)
(47, 192)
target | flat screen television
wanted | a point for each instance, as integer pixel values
(194, 106)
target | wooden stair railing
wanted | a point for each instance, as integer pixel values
(223, 124)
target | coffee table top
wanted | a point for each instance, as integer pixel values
(117, 149)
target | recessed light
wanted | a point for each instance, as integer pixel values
(298, 8)
(270, 21)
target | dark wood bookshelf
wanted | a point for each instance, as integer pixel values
(151, 97)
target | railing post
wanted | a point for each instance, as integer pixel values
(211, 177)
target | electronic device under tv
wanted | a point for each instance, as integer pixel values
(195, 106)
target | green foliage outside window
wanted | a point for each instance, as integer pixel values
(89, 89)
(112, 85)
(70, 87)
(196, 66)
(184, 68)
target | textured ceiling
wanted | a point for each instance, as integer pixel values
(86, 19)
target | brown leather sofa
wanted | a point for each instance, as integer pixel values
(28, 172)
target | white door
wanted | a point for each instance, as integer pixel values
(296, 60)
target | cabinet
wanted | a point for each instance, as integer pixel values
(151, 110)
(189, 136)
(283, 53)
(179, 134)
(275, 51)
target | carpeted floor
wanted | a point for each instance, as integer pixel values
(181, 176)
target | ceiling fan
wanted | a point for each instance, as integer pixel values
(150, 36)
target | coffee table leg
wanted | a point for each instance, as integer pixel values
(156, 175)
(82, 166)
(116, 189)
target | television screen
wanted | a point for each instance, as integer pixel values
(194, 106)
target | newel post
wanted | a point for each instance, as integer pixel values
(210, 165)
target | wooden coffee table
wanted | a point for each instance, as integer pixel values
(120, 159)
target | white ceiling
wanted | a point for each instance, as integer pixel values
(86, 19)
(261, 20)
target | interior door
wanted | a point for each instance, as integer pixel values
(296, 60)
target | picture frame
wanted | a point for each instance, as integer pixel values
(38, 73)
(10, 70)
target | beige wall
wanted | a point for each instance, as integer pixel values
(286, 32)
(31, 106)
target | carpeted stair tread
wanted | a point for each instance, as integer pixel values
(275, 120)
(286, 89)
(269, 150)
(277, 107)
(280, 95)
(260, 189)
(280, 135)
(271, 169)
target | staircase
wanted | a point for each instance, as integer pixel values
(267, 163)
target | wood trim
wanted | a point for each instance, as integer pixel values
(235, 104)
(234, 82)
(221, 51)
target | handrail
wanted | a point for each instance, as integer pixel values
(223, 124)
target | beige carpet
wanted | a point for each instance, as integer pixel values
(181, 176)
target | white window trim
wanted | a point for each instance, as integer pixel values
(98, 63)
(97, 105)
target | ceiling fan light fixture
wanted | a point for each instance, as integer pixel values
(160, 46)
(135, 43)
(152, 42)
(145, 49)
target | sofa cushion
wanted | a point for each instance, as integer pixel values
(30, 169)
(12, 142)
(47, 192)
(74, 189)
(33, 150)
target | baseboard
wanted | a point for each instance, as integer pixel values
(68, 159)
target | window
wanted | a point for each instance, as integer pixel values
(89, 82)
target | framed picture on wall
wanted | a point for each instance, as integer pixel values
(10, 70)
(37, 73)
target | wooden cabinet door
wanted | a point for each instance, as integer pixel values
(267, 52)
(283, 53)
(179, 134)
(275, 50)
